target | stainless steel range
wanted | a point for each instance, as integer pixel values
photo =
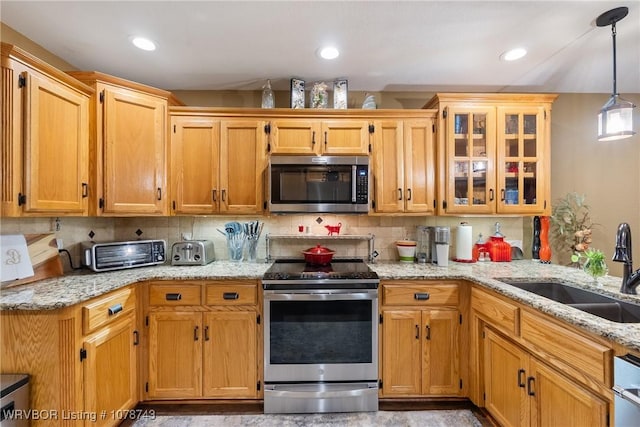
(320, 337)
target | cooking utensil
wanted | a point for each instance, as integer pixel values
(318, 255)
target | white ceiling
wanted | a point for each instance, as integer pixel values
(385, 45)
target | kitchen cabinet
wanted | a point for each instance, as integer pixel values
(214, 323)
(494, 153)
(311, 136)
(82, 359)
(404, 166)
(520, 390)
(420, 339)
(45, 139)
(128, 147)
(527, 371)
(218, 165)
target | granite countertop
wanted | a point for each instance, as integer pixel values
(75, 288)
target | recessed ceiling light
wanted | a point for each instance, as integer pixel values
(513, 54)
(329, 52)
(143, 43)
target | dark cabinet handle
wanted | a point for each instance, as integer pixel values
(206, 333)
(114, 309)
(502, 196)
(530, 390)
(173, 297)
(136, 338)
(159, 193)
(428, 328)
(224, 193)
(491, 194)
(417, 332)
(521, 378)
(400, 192)
(325, 139)
(214, 195)
(409, 191)
(421, 296)
(230, 295)
(313, 138)
(85, 190)
(195, 333)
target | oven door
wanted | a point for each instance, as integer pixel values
(321, 335)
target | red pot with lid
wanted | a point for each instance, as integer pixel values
(318, 255)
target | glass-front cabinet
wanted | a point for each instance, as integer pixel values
(493, 153)
(521, 169)
(470, 160)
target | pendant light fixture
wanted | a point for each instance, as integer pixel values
(615, 120)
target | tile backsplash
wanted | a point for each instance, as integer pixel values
(386, 230)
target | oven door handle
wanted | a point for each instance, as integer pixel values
(323, 394)
(319, 296)
(626, 395)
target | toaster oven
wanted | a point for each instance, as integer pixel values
(120, 255)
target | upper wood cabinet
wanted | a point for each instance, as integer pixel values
(493, 153)
(45, 138)
(128, 147)
(217, 165)
(316, 137)
(404, 166)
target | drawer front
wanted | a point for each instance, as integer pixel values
(100, 311)
(231, 293)
(575, 350)
(496, 312)
(175, 294)
(420, 294)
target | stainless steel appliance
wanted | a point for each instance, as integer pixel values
(192, 252)
(320, 337)
(14, 400)
(626, 388)
(119, 255)
(319, 184)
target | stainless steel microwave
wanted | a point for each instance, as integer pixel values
(120, 255)
(335, 184)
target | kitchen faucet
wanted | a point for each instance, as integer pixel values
(630, 279)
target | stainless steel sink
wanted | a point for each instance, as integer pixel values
(591, 302)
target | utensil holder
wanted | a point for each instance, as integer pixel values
(252, 246)
(235, 245)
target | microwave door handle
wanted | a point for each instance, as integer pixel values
(354, 173)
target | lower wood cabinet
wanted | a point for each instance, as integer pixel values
(520, 390)
(420, 339)
(203, 350)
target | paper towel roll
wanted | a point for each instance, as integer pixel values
(464, 243)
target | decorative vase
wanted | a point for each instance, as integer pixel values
(319, 95)
(535, 247)
(545, 248)
(267, 96)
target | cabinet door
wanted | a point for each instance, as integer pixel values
(345, 137)
(401, 352)
(419, 166)
(470, 157)
(505, 374)
(295, 136)
(175, 354)
(440, 370)
(388, 166)
(230, 354)
(521, 165)
(134, 152)
(110, 371)
(195, 165)
(56, 138)
(557, 401)
(242, 166)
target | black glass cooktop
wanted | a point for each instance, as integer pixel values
(295, 272)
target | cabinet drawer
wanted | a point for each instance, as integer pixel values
(420, 294)
(175, 294)
(496, 312)
(102, 310)
(231, 293)
(575, 350)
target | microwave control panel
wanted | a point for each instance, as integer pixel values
(362, 184)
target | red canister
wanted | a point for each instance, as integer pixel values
(499, 250)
